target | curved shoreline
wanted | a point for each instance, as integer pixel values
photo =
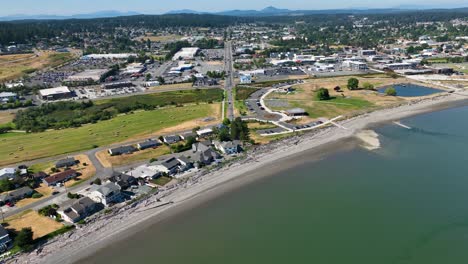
(108, 229)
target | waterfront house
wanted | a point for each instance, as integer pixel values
(123, 180)
(174, 165)
(201, 146)
(5, 240)
(106, 194)
(228, 147)
(80, 209)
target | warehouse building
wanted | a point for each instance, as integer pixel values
(87, 75)
(186, 54)
(56, 93)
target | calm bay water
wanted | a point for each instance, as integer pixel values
(405, 203)
(412, 90)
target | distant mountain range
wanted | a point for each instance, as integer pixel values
(100, 14)
(268, 11)
(273, 11)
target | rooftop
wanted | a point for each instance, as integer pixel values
(56, 90)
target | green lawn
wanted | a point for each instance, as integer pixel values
(333, 107)
(17, 147)
(243, 93)
(161, 181)
(166, 98)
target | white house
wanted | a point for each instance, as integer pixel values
(7, 173)
(204, 132)
(229, 147)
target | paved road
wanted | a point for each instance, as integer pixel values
(229, 79)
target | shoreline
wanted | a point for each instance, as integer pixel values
(108, 229)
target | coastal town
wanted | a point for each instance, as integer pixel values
(103, 128)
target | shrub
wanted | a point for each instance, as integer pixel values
(323, 94)
(97, 181)
(353, 84)
(24, 239)
(37, 195)
(391, 91)
(368, 86)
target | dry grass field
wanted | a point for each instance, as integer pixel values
(40, 225)
(157, 38)
(15, 66)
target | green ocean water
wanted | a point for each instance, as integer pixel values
(405, 203)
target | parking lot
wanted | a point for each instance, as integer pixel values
(255, 108)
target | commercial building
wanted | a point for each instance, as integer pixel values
(367, 53)
(134, 68)
(116, 85)
(56, 93)
(186, 54)
(120, 56)
(356, 65)
(5, 97)
(245, 78)
(87, 76)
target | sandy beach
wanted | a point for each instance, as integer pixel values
(105, 229)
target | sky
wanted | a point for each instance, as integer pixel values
(69, 7)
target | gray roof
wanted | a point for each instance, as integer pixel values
(169, 139)
(82, 205)
(16, 194)
(108, 188)
(231, 144)
(3, 231)
(148, 144)
(296, 111)
(202, 146)
(170, 163)
(123, 149)
(184, 160)
(65, 162)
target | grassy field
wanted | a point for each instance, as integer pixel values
(18, 147)
(165, 98)
(165, 38)
(345, 102)
(6, 117)
(40, 225)
(15, 66)
(243, 93)
(161, 181)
